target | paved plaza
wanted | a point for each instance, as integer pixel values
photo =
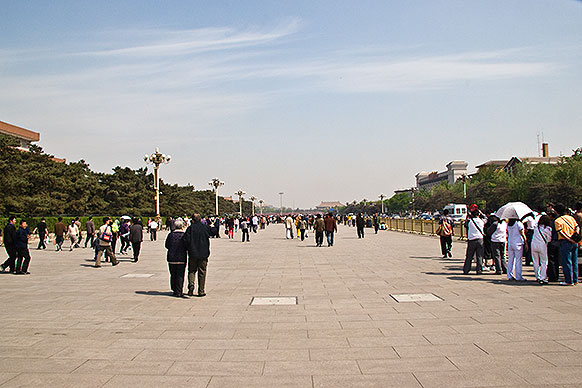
(70, 325)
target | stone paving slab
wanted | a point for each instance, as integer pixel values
(69, 325)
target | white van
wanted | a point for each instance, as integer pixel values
(458, 212)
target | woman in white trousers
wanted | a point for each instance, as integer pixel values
(515, 246)
(539, 248)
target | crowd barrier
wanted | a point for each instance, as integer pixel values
(428, 227)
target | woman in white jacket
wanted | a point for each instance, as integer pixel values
(539, 246)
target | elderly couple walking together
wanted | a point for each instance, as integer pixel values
(191, 247)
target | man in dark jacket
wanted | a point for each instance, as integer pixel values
(197, 239)
(136, 237)
(360, 223)
(23, 254)
(9, 244)
(330, 228)
(90, 226)
(41, 230)
(176, 257)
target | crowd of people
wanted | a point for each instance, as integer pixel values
(545, 239)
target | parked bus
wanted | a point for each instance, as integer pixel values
(458, 212)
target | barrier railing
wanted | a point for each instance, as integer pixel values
(428, 227)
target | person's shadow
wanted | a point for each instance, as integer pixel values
(155, 293)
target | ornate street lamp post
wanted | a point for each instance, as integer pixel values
(281, 194)
(240, 193)
(216, 183)
(382, 196)
(261, 205)
(156, 159)
(253, 199)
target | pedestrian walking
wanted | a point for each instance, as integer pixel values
(177, 257)
(136, 238)
(516, 244)
(73, 232)
(60, 230)
(90, 229)
(22, 252)
(445, 232)
(475, 235)
(319, 228)
(244, 227)
(289, 227)
(9, 240)
(41, 229)
(360, 224)
(105, 237)
(153, 227)
(330, 228)
(197, 238)
(124, 236)
(301, 227)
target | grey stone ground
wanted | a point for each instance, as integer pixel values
(69, 325)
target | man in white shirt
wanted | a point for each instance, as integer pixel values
(475, 234)
(289, 227)
(153, 230)
(498, 233)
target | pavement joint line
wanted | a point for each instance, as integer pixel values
(417, 380)
(481, 349)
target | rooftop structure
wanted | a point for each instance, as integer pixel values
(455, 170)
(328, 205)
(25, 136)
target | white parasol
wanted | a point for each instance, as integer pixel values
(516, 210)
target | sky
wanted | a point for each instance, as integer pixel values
(322, 100)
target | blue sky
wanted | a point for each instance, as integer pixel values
(323, 100)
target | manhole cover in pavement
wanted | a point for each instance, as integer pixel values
(401, 298)
(273, 300)
(137, 275)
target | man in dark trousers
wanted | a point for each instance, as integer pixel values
(197, 239)
(136, 237)
(90, 227)
(360, 225)
(23, 254)
(10, 245)
(330, 228)
(60, 230)
(41, 230)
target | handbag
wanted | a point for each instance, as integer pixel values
(106, 236)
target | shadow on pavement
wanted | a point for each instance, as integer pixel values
(156, 293)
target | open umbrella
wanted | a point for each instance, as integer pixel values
(125, 217)
(516, 210)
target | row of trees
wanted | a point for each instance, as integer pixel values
(33, 184)
(491, 188)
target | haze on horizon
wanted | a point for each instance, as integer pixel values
(323, 100)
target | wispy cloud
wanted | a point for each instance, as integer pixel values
(168, 43)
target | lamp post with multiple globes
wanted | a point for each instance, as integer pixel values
(216, 183)
(240, 194)
(156, 159)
